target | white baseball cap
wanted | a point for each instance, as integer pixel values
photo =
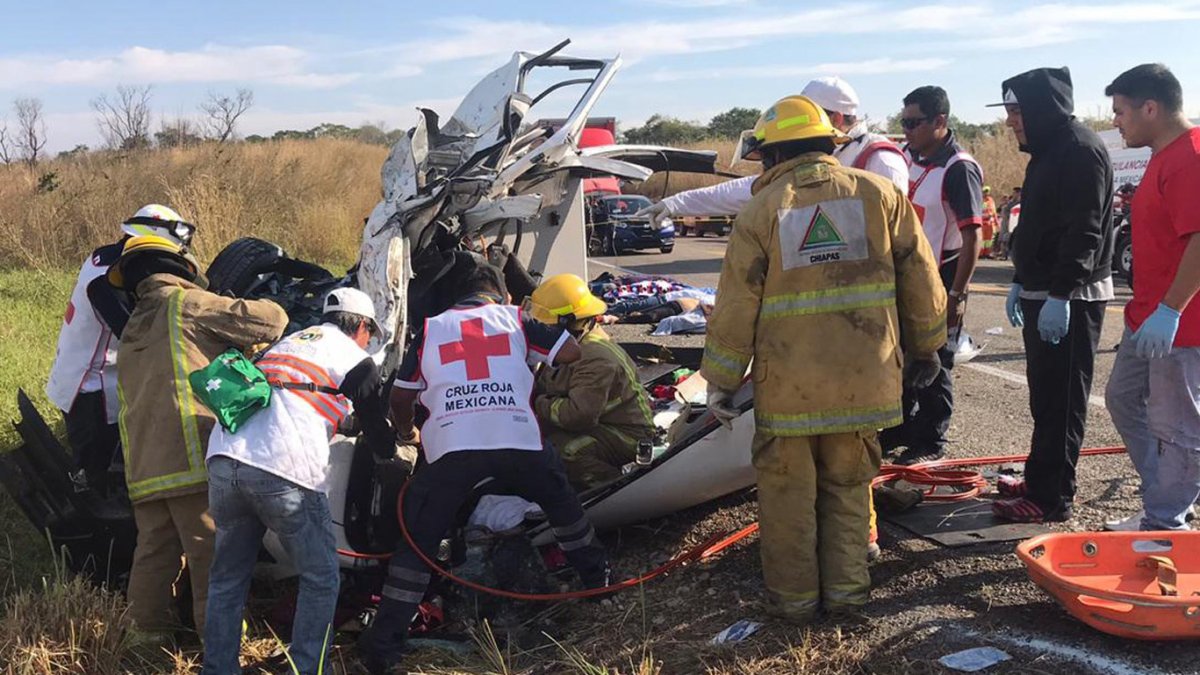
(833, 94)
(353, 301)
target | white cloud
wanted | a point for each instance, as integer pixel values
(868, 67)
(275, 64)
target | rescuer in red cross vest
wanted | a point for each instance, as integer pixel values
(470, 368)
(83, 379)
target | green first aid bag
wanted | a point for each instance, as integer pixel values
(232, 387)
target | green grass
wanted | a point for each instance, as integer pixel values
(31, 310)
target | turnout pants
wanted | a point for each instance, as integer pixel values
(1060, 382)
(814, 505)
(169, 529)
(433, 499)
(927, 411)
(593, 458)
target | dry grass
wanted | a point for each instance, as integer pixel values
(68, 626)
(308, 196)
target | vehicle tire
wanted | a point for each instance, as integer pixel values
(667, 249)
(238, 265)
(1123, 256)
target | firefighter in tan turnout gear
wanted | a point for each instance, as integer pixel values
(593, 411)
(825, 276)
(176, 327)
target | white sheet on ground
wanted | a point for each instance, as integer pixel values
(694, 321)
(502, 512)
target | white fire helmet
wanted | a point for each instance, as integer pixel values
(162, 221)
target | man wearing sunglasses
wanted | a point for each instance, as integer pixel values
(946, 188)
(83, 379)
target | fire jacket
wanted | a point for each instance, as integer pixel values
(176, 328)
(86, 357)
(826, 275)
(868, 151)
(600, 389)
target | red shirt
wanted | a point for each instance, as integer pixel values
(1166, 211)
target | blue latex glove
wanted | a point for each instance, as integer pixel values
(1054, 319)
(1154, 339)
(1016, 317)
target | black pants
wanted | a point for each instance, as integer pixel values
(1060, 381)
(434, 497)
(93, 440)
(927, 411)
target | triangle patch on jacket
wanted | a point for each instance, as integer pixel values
(826, 232)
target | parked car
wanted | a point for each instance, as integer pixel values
(718, 225)
(612, 227)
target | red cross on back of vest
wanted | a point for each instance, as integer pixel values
(475, 349)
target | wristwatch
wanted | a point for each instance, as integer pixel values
(957, 295)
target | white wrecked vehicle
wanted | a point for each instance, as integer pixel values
(487, 176)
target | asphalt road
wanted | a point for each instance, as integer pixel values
(928, 600)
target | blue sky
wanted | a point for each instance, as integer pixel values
(311, 62)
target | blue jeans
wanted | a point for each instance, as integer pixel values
(244, 503)
(1155, 405)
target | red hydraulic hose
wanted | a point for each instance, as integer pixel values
(691, 554)
(940, 473)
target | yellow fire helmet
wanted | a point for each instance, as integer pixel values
(147, 243)
(793, 118)
(564, 298)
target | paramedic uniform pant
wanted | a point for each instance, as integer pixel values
(1060, 382)
(1155, 405)
(814, 506)
(167, 529)
(93, 440)
(927, 411)
(435, 495)
(595, 458)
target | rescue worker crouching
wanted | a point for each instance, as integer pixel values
(176, 327)
(470, 369)
(825, 274)
(272, 473)
(593, 411)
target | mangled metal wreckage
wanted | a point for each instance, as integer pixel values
(486, 177)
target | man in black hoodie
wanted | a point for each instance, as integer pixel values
(1063, 258)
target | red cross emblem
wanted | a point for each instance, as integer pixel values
(475, 349)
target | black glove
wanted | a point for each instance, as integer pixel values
(921, 372)
(350, 426)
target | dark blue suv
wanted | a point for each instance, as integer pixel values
(613, 229)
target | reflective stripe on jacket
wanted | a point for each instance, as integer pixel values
(600, 389)
(176, 328)
(826, 275)
(291, 437)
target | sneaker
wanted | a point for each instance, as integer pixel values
(1011, 486)
(1131, 524)
(1023, 510)
(918, 456)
